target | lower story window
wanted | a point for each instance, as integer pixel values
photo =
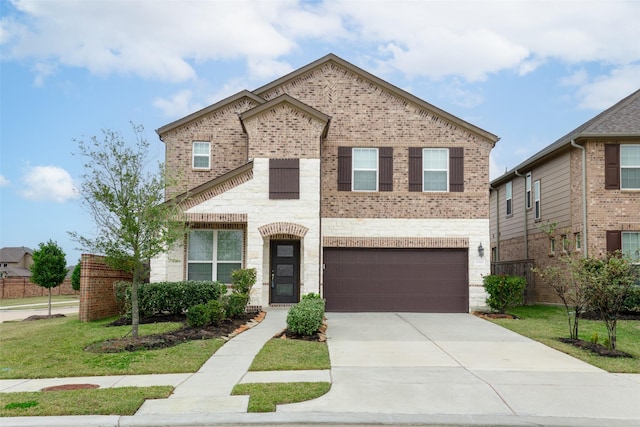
(631, 245)
(214, 254)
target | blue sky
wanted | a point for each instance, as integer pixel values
(527, 71)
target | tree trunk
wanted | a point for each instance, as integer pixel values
(135, 313)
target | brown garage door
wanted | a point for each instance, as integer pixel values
(408, 280)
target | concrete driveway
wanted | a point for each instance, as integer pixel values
(458, 364)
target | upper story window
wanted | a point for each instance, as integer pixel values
(508, 194)
(527, 190)
(201, 158)
(435, 164)
(214, 254)
(365, 169)
(536, 199)
(630, 167)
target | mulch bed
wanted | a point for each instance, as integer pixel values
(172, 338)
(42, 317)
(599, 349)
(487, 315)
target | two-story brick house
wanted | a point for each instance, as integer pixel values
(331, 180)
(585, 186)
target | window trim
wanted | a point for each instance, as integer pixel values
(194, 155)
(508, 198)
(446, 170)
(353, 168)
(577, 238)
(536, 200)
(622, 147)
(527, 191)
(214, 256)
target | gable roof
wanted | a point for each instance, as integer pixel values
(256, 95)
(622, 120)
(379, 82)
(14, 254)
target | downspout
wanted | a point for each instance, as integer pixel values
(584, 198)
(526, 217)
(497, 222)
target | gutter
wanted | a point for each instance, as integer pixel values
(585, 252)
(526, 215)
(497, 222)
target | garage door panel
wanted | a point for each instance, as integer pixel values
(419, 280)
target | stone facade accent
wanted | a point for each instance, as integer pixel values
(283, 228)
(224, 186)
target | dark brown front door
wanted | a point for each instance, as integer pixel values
(285, 271)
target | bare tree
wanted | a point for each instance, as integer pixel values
(126, 201)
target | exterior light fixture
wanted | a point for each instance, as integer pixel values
(480, 250)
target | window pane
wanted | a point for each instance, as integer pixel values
(224, 271)
(201, 148)
(631, 245)
(630, 178)
(630, 155)
(365, 158)
(435, 158)
(199, 271)
(200, 162)
(229, 245)
(508, 190)
(364, 180)
(435, 181)
(200, 245)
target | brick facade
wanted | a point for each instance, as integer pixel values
(19, 287)
(97, 297)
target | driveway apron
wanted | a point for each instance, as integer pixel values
(458, 364)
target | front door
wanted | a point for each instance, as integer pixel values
(285, 271)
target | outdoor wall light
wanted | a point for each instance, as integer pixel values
(480, 250)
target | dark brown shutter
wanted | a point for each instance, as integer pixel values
(344, 168)
(456, 169)
(614, 241)
(612, 166)
(385, 175)
(415, 169)
(284, 178)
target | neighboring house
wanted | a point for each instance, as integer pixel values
(585, 186)
(15, 261)
(331, 180)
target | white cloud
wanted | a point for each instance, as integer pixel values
(604, 91)
(4, 182)
(48, 183)
(179, 104)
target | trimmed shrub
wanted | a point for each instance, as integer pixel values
(311, 295)
(632, 300)
(217, 311)
(236, 304)
(242, 280)
(198, 316)
(306, 317)
(504, 291)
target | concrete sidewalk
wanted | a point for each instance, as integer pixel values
(397, 368)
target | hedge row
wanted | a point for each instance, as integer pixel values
(167, 297)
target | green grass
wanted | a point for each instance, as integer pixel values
(548, 323)
(55, 348)
(265, 397)
(43, 302)
(108, 401)
(290, 355)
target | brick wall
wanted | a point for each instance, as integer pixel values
(97, 297)
(18, 287)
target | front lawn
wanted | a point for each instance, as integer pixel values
(548, 323)
(265, 397)
(55, 348)
(291, 355)
(40, 302)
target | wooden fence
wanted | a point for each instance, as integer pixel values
(520, 268)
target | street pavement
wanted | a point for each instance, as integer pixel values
(387, 368)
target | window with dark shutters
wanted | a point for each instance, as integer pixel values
(344, 168)
(456, 169)
(614, 240)
(284, 179)
(385, 174)
(612, 166)
(415, 169)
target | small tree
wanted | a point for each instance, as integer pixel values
(49, 267)
(75, 276)
(607, 283)
(133, 223)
